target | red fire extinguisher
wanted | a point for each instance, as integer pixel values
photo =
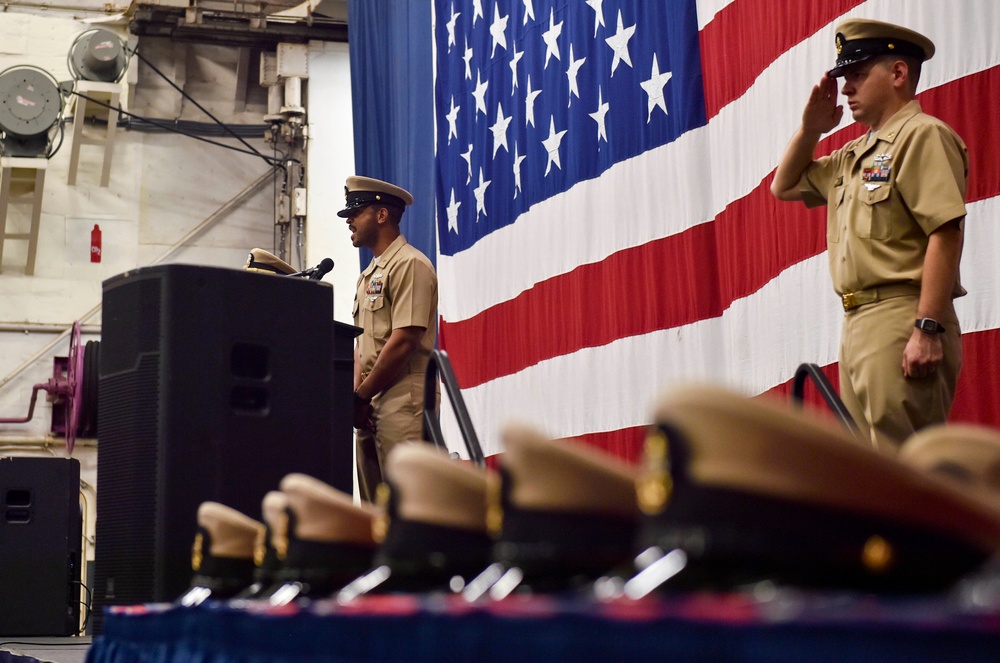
(95, 244)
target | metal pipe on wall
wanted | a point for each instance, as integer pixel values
(40, 444)
(44, 328)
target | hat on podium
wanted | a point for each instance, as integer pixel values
(260, 260)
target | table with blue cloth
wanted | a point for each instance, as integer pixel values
(765, 624)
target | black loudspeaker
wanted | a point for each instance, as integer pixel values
(214, 384)
(40, 544)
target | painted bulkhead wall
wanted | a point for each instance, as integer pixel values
(162, 187)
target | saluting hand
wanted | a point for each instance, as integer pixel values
(822, 113)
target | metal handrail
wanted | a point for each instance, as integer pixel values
(827, 392)
(439, 362)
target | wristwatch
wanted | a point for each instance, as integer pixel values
(929, 326)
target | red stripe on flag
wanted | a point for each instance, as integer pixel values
(961, 104)
(744, 38)
(626, 443)
(694, 275)
(977, 397)
(663, 284)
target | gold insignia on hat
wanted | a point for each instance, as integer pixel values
(380, 525)
(260, 548)
(197, 556)
(877, 554)
(494, 507)
(654, 485)
(859, 39)
(275, 511)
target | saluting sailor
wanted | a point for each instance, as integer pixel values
(896, 211)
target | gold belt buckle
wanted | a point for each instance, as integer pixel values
(849, 301)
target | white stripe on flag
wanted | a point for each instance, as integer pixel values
(754, 346)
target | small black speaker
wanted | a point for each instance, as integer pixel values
(40, 544)
(213, 385)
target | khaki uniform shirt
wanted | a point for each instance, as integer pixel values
(886, 197)
(398, 289)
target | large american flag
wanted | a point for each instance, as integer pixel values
(604, 221)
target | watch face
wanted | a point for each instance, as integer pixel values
(929, 326)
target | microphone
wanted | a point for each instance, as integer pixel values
(318, 272)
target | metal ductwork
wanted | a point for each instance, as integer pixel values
(251, 23)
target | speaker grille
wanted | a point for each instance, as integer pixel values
(214, 383)
(132, 314)
(40, 540)
(128, 403)
(126, 495)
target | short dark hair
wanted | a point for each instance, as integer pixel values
(913, 66)
(395, 213)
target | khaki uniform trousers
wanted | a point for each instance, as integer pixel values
(399, 412)
(887, 406)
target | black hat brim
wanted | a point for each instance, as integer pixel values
(351, 209)
(842, 65)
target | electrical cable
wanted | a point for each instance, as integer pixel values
(271, 162)
(62, 134)
(149, 64)
(197, 128)
(86, 604)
